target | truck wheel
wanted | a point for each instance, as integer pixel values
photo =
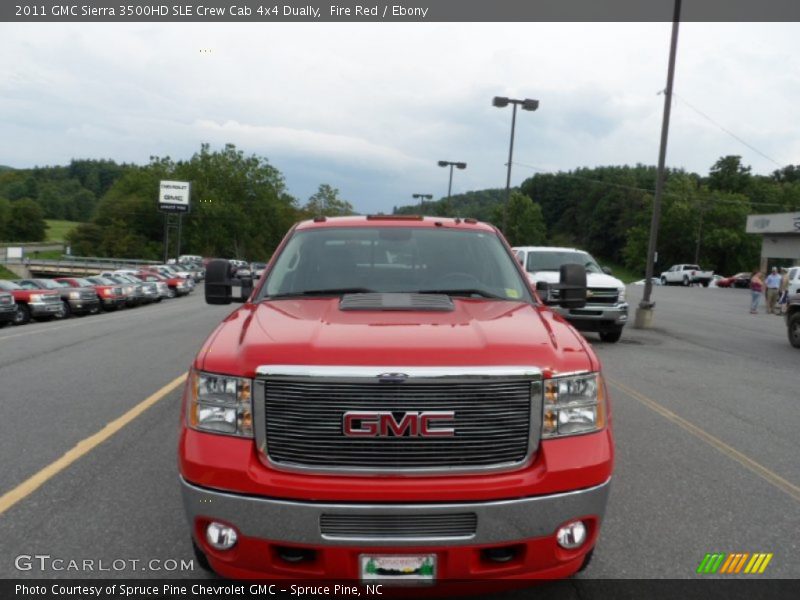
(611, 336)
(663, 281)
(685, 281)
(200, 557)
(705, 284)
(23, 315)
(794, 330)
(586, 560)
(65, 310)
(171, 293)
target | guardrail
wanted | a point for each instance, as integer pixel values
(81, 265)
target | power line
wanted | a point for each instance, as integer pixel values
(728, 131)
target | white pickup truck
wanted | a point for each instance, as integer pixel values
(686, 275)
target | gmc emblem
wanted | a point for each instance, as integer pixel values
(384, 424)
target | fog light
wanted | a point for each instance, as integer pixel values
(221, 536)
(572, 535)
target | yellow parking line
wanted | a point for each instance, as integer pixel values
(30, 485)
(767, 475)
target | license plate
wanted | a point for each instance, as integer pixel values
(397, 568)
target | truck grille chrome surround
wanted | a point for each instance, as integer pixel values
(299, 413)
(390, 527)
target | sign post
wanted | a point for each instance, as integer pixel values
(173, 199)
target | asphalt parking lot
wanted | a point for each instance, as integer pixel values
(705, 410)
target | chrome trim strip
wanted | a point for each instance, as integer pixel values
(343, 374)
(499, 521)
(346, 371)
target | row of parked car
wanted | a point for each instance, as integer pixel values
(22, 300)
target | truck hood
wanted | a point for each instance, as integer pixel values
(593, 280)
(316, 332)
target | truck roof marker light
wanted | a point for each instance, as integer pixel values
(471, 220)
(395, 218)
(320, 219)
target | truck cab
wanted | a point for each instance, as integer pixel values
(394, 401)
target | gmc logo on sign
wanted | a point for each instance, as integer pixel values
(384, 424)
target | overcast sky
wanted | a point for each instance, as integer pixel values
(370, 108)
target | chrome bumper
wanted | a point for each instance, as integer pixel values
(615, 314)
(299, 522)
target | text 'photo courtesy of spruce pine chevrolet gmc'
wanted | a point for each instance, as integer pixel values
(393, 401)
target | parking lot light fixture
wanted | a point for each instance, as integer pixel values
(528, 104)
(422, 198)
(457, 165)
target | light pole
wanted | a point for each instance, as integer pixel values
(526, 104)
(457, 165)
(644, 313)
(422, 198)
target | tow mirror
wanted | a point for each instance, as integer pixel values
(247, 288)
(218, 281)
(572, 286)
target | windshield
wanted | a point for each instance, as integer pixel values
(50, 284)
(393, 259)
(551, 260)
(102, 280)
(84, 282)
(8, 286)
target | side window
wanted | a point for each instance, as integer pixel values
(521, 257)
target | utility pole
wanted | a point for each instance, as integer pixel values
(644, 313)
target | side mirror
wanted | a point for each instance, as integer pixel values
(218, 281)
(543, 289)
(247, 288)
(572, 286)
(607, 270)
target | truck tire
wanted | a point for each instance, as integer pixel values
(794, 330)
(23, 315)
(611, 336)
(686, 281)
(66, 311)
(202, 559)
(705, 283)
(586, 560)
(664, 281)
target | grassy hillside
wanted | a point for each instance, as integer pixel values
(57, 230)
(6, 274)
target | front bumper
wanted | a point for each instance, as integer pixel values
(596, 317)
(267, 525)
(114, 302)
(83, 306)
(45, 309)
(7, 313)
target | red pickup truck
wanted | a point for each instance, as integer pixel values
(393, 401)
(37, 304)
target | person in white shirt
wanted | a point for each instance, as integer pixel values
(773, 283)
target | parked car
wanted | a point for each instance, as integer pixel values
(686, 275)
(133, 293)
(740, 280)
(170, 271)
(159, 289)
(150, 291)
(111, 295)
(653, 281)
(74, 300)
(177, 286)
(793, 320)
(257, 269)
(36, 304)
(606, 310)
(8, 308)
(794, 281)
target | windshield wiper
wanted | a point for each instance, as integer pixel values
(464, 292)
(325, 292)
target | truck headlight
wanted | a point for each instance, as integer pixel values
(573, 405)
(74, 295)
(621, 296)
(36, 297)
(220, 404)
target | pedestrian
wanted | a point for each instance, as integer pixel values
(756, 288)
(773, 285)
(783, 292)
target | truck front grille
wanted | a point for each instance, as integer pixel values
(595, 296)
(398, 527)
(51, 298)
(303, 423)
(6, 300)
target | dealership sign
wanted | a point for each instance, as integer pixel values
(173, 196)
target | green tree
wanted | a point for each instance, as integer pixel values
(26, 221)
(5, 218)
(326, 202)
(525, 223)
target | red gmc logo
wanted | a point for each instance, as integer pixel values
(384, 424)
